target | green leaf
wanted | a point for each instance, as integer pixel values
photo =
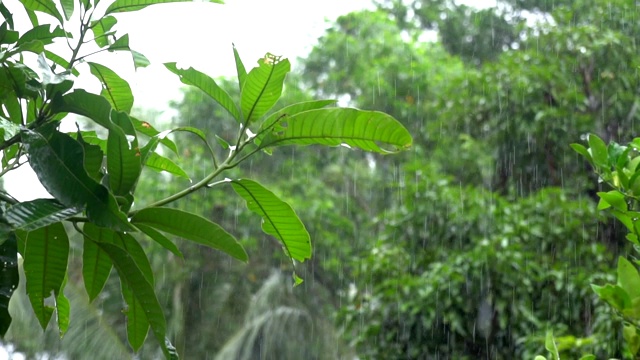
(158, 237)
(263, 87)
(63, 310)
(67, 8)
(550, 345)
(242, 72)
(34, 214)
(287, 111)
(612, 198)
(137, 322)
(160, 163)
(133, 5)
(92, 106)
(135, 250)
(8, 276)
(45, 6)
(139, 60)
(147, 129)
(191, 227)
(102, 30)
(279, 219)
(114, 88)
(6, 14)
(96, 264)
(632, 340)
(588, 357)
(614, 295)
(582, 151)
(142, 290)
(628, 278)
(598, 150)
(60, 61)
(205, 83)
(42, 33)
(367, 130)
(45, 267)
(123, 155)
(57, 160)
(93, 157)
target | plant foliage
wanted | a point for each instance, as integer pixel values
(93, 175)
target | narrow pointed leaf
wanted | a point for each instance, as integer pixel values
(67, 8)
(133, 5)
(63, 311)
(60, 61)
(114, 88)
(191, 227)
(101, 30)
(205, 83)
(135, 250)
(368, 130)
(96, 264)
(137, 323)
(240, 69)
(279, 219)
(57, 160)
(45, 6)
(8, 276)
(45, 267)
(93, 156)
(158, 237)
(147, 129)
(263, 87)
(8, 17)
(123, 155)
(160, 163)
(142, 290)
(34, 214)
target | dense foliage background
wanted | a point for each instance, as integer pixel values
(472, 245)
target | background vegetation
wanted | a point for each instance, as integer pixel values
(471, 245)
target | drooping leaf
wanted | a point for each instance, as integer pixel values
(367, 130)
(137, 323)
(93, 157)
(45, 267)
(240, 69)
(123, 155)
(134, 249)
(96, 264)
(6, 14)
(57, 160)
(63, 310)
(158, 237)
(263, 87)
(81, 102)
(67, 8)
(141, 288)
(8, 275)
(279, 219)
(102, 30)
(45, 6)
(133, 5)
(114, 88)
(191, 227)
(205, 83)
(34, 214)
